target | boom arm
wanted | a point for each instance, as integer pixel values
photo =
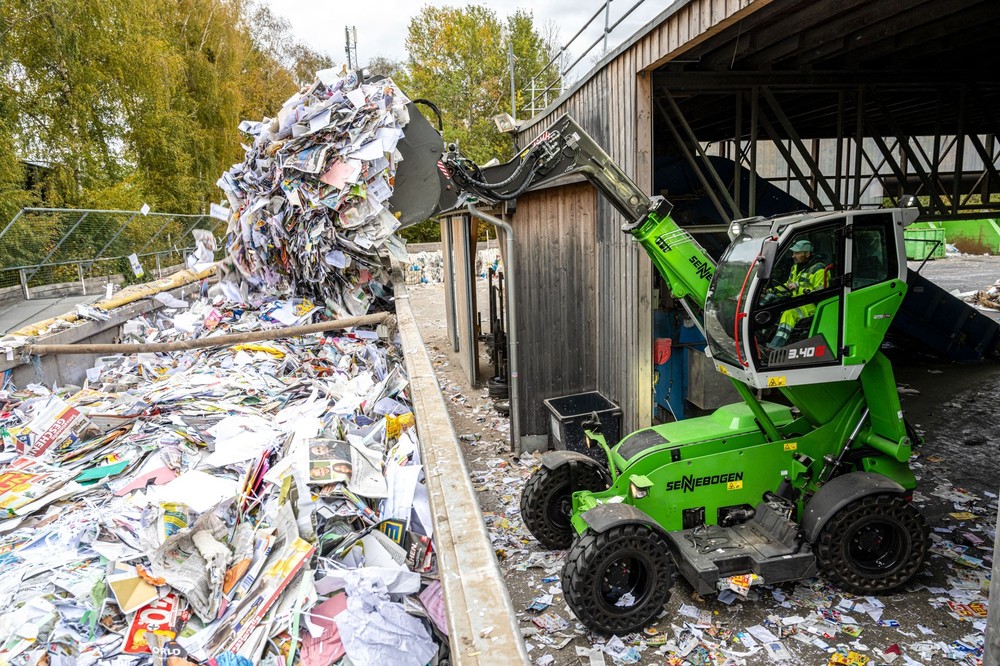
(563, 149)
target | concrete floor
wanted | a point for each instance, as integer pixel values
(964, 272)
(23, 313)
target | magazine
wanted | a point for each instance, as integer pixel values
(329, 461)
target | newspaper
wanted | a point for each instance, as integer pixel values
(284, 555)
(367, 479)
(56, 422)
(329, 461)
(309, 160)
(188, 562)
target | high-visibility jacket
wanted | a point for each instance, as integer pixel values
(807, 279)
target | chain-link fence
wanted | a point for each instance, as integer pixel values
(47, 246)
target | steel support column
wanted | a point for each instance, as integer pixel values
(887, 158)
(738, 161)
(810, 162)
(754, 119)
(876, 174)
(989, 163)
(859, 146)
(905, 149)
(839, 169)
(959, 152)
(789, 158)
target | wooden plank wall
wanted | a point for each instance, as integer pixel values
(556, 264)
(613, 105)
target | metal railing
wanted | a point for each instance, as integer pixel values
(47, 246)
(553, 75)
(159, 263)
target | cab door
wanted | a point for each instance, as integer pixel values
(875, 283)
(796, 320)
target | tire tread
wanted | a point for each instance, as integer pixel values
(830, 547)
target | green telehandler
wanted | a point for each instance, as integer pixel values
(797, 304)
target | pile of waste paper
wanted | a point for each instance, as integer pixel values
(986, 298)
(427, 267)
(424, 268)
(251, 503)
(261, 501)
(309, 203)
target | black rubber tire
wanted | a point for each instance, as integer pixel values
(601, 567)
(873, 545)
(496, 387)
(546, 501)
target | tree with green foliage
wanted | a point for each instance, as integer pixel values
(458, 59)
(132, 101)
(116, 103)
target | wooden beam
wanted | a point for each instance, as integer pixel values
(748, 17)
(644, 281)
(834, 37)
(941, 20)
(211, 341)
(814, 23)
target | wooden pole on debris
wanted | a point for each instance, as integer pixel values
(213, 341)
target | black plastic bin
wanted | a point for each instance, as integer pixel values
(570, 411)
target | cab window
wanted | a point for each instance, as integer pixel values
(871, 261)
(796, 318)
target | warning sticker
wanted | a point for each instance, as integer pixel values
(734, 485)
(777, 381)
(791, 446)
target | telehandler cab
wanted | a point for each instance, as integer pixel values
(817, 483)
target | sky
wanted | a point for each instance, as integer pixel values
(382, 24)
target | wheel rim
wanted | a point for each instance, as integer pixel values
(627, 574)
(559, 507)
(877, 547)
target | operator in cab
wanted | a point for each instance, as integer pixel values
(807, 275)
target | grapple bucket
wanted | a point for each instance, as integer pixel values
(423, 188)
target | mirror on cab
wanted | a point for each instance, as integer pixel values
(765, 262)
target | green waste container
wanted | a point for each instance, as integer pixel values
(924, 244)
